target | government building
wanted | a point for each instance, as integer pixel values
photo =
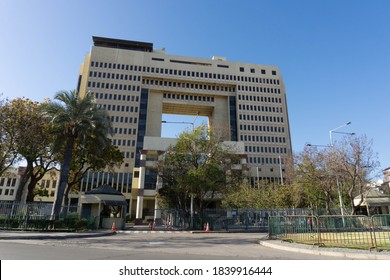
(137, 84)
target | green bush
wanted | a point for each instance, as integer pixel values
(75, 223)
(70, 223)
(42, 224)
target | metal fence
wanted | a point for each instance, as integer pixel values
(37, 215)
(172, 219)
(218, 219)
(249, 219)
(339, 231)
(30, 215)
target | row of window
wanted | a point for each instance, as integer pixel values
(262, 139)
(9, 182)
(262, 160)
(9, 192)
(258, 118)
(115, 76)
(267, 109)
(123, 119)
(125, 131)
(258, 108)
(119, 97)
(123, 142)
(269, 118)
(188, 85)
(119, 181)
(266, 150)
(265, 128)
(186, 73)
(128, 154)
(46, 183)
(103, 85)
(118, 108)
(259, 89)
(262, 71)
(260, 98)
(188, 97)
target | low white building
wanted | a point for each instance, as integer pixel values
(10, 180)
(9, 183)
(373, 201)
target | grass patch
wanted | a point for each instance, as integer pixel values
(350, 240)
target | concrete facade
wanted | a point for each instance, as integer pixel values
(136, 84)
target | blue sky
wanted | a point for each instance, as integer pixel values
(334, 55)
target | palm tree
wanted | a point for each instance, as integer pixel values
(74, 120)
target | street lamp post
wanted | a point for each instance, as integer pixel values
(281, 170)
(337, 177)
(332, 149)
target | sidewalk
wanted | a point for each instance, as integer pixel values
(17, 235)
(322, 251)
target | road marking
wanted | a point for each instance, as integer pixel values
(156, 243)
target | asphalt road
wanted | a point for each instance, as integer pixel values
(151, 246)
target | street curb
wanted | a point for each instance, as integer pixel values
(59, 236)
(324, 252)
(182, 231)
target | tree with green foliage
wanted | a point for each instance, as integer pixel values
(197, 166)
(74, 118)
(91, 156)
(8, 153)
(31, 140)
(266, 196)
(314, 178)
(244, 196)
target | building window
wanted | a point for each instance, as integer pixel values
(242, 69)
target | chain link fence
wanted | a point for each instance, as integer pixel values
(338, 231)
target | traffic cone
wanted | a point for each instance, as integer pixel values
(113, 228)
(207, 227)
